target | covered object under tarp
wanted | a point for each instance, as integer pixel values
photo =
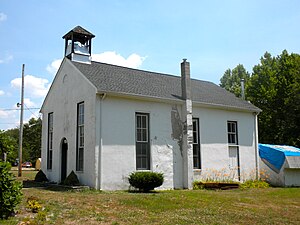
(280, 164)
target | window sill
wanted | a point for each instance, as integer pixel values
(144, 170)
(233, 145)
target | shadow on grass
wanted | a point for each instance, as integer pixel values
(143, 192)
(52, 186)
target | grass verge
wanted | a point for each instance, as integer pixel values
(249, 206)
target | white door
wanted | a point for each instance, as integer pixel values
(234, 162)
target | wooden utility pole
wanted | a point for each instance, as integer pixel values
(21, 125)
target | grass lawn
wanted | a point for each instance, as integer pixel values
(251, 206)
(27, 174)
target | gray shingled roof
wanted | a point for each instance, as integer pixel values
(79, 30)
(117, 79)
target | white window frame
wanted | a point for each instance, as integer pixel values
(80, 137)
(231, 133)
(143, 129)
(144, 142)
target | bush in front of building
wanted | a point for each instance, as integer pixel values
(146, 181)
(10, 191)
(71, 180)
(41, 177)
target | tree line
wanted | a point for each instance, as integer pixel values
(9, 142)
(274, 87)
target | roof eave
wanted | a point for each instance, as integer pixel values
(177, 101)
(227, 107)
(140, 97)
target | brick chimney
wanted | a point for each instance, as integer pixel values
(187, 120)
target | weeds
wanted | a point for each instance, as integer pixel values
(33, 205)
(249, 180)
(254, 184)
(223, 175)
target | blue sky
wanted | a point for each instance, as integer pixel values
(149, 35)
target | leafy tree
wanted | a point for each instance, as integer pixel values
(32, 132)
(231, 80)
(275, 88)
(7, 146)
(14, 135)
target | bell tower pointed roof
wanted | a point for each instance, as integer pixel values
(79, 31)
(78, 45)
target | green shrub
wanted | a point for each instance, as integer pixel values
(254, 184)
(198, 185)
(71, 180)
(10, 191)
(146, 181)
(41, 177)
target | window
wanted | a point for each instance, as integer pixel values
(50, 141)
(80, 137)
(196, 144)
(232, 132)
(142, 141)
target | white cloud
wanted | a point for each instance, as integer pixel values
(28, 103)
(8, 114)
(54, 66)
(6, 59)
(111, 57)
(3, 17)
(9, 118)
(2, 92)
(33, 86)
(4, 114)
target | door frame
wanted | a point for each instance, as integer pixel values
(64, 159)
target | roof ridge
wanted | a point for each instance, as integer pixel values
(148, 71)
(140, 70)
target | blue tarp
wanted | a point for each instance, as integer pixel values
(275, 154)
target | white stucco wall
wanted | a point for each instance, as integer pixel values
(118, 149)
(214, 148)
(68, 89)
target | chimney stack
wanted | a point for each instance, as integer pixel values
(187, 121)
(185, 80)
(243, 88)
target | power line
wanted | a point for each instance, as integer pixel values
(18, 109)
(7, 123)
(31, 111)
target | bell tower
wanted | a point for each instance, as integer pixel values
(78, 45)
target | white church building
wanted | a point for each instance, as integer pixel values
(105, 121)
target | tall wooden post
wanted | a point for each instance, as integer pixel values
(21, 125)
